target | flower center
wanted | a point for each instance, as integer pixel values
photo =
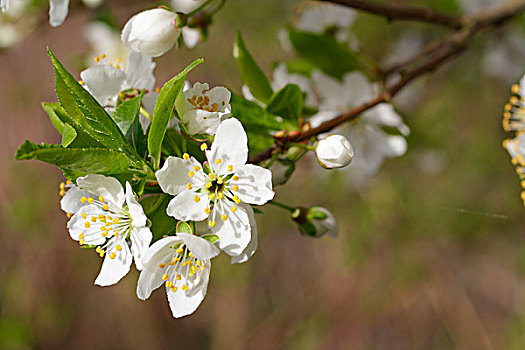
(202, 102)
(183, 263)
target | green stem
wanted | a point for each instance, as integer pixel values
(157, 205)
(301, 145)
(192, 13)
(283, 206)
(272, 160)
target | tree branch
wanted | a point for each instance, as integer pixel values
(431, 58)
(408, 13)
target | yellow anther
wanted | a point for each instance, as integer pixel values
(180, 250)
(90, 200)
(179, 277)
(236, 199)
(69, 215)
(115, 220)
(204, 147)
(191, 173)
(187, 262)
(220, 180)
(199, 263)
(207, 211)
(235, 178)
(117, 66)
(176, 259)
(196, 198)
(230, 167)
(513, 100)
(94, 219)
(118, 247)
(102, 56)
(523, 195)
(101, 217)
(522, 183)
(83, 199)
(171, 263)
(234, 208)
(109, 217)
(196, 168)
(208, 184)
(218, 161)
(235, 187)
(112, 255)
(104, 234)
(101, 253)
(81, 241)
(87, 224)
(68, 182)
(212, 176)
(220, 195)
(168, 284)
(224, 217)
(81, 236)
(184, 287)
(515, 88)
(116, 233)
(173, 289)
(81, 82)
(188, 186)
(193, 269)
(62, 193)
(211, 196)
(105, 207)
(165, 277)
(190, 255)
(211, 223)
(83, 215)
(62, 186)
(507, 107)
(103, 228)
(186, 156)
(97, 59)
(98, 250)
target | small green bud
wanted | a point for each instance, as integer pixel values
(315, 222)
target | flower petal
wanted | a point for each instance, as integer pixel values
(100, 185)
(91, 235)
(201, 248)
(199, 121)
(184, 207)
(140, 241)
(252, 246)
(58, 10)
(184, 303)
(234, 232)
(103, 81)
(139, 74)
(151, 275)
(255, 184)
(135, 209)
(174, 176)
(230, 146)
(71, 203)
(114, 269)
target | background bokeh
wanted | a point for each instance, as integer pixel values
(431, 254)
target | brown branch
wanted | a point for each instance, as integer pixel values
(407, 13)
(451, 46)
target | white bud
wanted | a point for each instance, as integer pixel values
(151, 32)
(186, 6)
(335, 151)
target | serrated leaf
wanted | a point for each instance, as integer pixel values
(324, 52)
(85, 114)
(287, 103)
(79, 160)
(251, 74)
(127, 117)
(163, 111)
(68, 135)
(155, 209)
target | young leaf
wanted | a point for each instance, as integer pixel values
(163, 111)
(68, 135)
(127, 117)
(80, 160)
(251, 74)
(53, 109)
(85, 113)
(287, 103)
(253, 117)
(324, 52)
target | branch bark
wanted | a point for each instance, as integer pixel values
(430, 59)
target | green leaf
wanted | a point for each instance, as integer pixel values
(127, 117)
(155, 209)
(324, 52)
(53, 109)
(85, 114)
(79, 160)
(184, 227)
(163, 111)
(287, 103)
(68, 135)
(253, 117)
(251, 74)
(210, 238)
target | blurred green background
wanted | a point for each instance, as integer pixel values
(431, 253)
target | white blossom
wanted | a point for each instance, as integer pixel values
(334, 151)
(151, 32)
(324, 17)
(182, 264)
(201, 110)
(186, 6)
(104, 39)
(112, 220)
(217, 191)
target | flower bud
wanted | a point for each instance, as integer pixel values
(315, 222)
(151, 32)
(186, 6)
(335, 151)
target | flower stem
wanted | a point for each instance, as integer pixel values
(283, 206)
(301, 145)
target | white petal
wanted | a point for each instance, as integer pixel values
(185, 303)
(107, 187)
(151, 275)
(113, 270)
(139, 74)
(135, 209)
(140, 241)
(186, 6)
(58, 10)
(255, 184)
(4, 5)
(230, 145)
(71, 203)
(191, 37)
(252, 246)
(183, 206)
(199, 121)
(103, 82)
(397, 146)
(221, 96)
(77, 226)
(234, 233)
(173, 178)
(201, 248)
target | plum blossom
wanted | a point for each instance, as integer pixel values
(112, 220)
(325, 18)
(219, 190)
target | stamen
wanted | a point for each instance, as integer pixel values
(204, 147)
(235, 178)
(211, 196)
(230, 168)
(196, 198)
(235, 187)
(83, 215)
(196, 168)
(165, 277)
(180, 250)
(207, 210)
(218, 161)
(188, 186)
(87, 224)
(191, 173)
(83, 199)
(105, 207)
(118, 247)
(112, 255)
(186, 156)
(224, 217)
(90, 200)
(211, 223)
